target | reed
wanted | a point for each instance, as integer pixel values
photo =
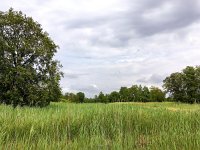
(101, 126)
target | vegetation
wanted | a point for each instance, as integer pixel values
(184, 86)
(29, 75)
(101, 126)
(76, 98)
(133, 94)
(80, 97)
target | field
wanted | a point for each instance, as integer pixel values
(101, 126)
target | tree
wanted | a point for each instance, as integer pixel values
(145, 94)
(29, 75)
(70, 97)
(124, 94)
(190, 84)
(138, 93)
(174, 85)
(114, 97)
(197, 79)
(80, 97)
(184, 86)
(102, 98)
(156, 94)
(134, 93)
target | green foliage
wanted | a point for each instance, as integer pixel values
(156, 95)
(133, 94)
(114, 97)
(124, 94)
(146, 95)
(102, 98)
(29, 75)
(80, 96)
(184, 86)
(174, 86)
(70, 97)
(77, 98)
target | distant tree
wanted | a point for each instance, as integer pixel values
(114, 97)
(80, 96)
(89, 100)
(145, 94)
(134, 93)
(156, 94)
(96, 99)
(124, 94)
(190, 84)
(197, 79)
(70, 97)
(28, 74)
(140, 94)
(137, 93)
(102, 98)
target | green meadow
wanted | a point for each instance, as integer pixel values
(101, 126)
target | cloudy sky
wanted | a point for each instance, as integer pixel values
(106, 44)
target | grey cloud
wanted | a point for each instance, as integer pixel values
(150, 3)
(182, 14)
(86, 21)
(117, 28)
(89, 89)
(71, 76)
(154, 79)
(142, 80)
(74, 75)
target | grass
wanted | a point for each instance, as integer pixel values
(101, 126)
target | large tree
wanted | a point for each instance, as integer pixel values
(28, 73)
(174, 86)
(184, 86)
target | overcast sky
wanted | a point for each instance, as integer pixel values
(106, 44)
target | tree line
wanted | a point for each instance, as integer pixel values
(136, 93)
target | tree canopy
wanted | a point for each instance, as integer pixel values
(80, 97)
(184, 86)
(28, 73)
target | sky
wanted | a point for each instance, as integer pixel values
(107, 44)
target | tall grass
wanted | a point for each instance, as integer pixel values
(101, 126)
